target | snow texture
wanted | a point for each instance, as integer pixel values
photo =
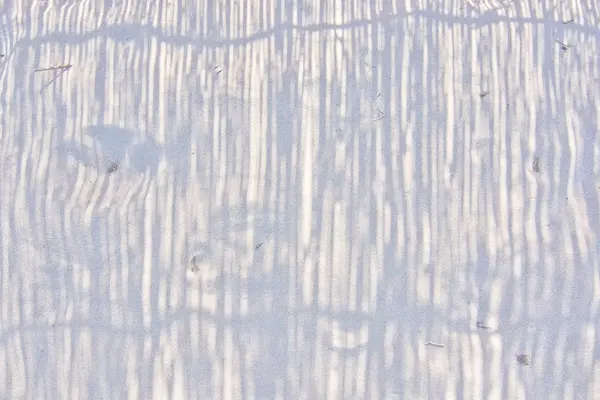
(311, 199)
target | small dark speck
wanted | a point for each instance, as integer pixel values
(568, 22)
(258, 246)
(563, 46)
(523, 359)
(112, 167)
(193, 265)
(481, 325)
(483, 94)
(536, 164)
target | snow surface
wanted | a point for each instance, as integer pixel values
(327, 199)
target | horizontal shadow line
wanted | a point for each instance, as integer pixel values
(128, 32)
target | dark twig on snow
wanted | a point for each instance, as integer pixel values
(380, 117)
(536, 164)
(58, 67)
(563, 46)
(481, 325)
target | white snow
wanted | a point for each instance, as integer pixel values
(311, 199)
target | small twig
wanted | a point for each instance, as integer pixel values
(483, 94)
(58, 75)
(563, 46)
(536, 164)
(381, 115)
(481, 325)
(193, 265)
(58, 67)
(568, 22)
(434, 344)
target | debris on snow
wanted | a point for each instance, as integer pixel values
(523, 359)
(536, 164)
(481, 325)
(381, 115)
(113, 166)
(63, 67)
(193, 265)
